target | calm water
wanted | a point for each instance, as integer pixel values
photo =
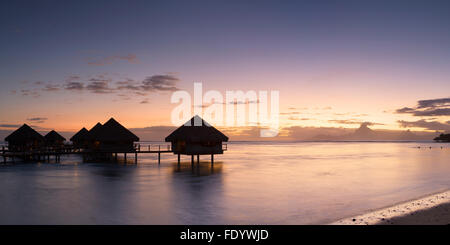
(252, 183)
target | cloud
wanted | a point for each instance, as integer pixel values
(102, 84)
(433, 103)
(37, 119)
(430, 125)
(160, 83)
(30, 92)
(99, 85)
(51, 88)
(290, 113)
(74, 86)
(243, 102)
(10, 125)
(425, 108)
(155, 83)
(292, 118)
(405, 110)
(353, 121)
(433, 112)
(131, 58)
(247, 102)
(128, 84)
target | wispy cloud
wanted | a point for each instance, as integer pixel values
(51, 88)
(290, 113)
(425, 124)
(433, 103)
(236, 102)
(37, 119)
(72, 83)
(425, 108)
(100, 85)
(353, 121)
(10, 125)
(30, 92)
(160, 83)
(77, 86)
(293, 118)
(125, 89)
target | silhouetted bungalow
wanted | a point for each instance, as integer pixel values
(90, 135)
(24, 139)
(94, 130)
(192, 140)
(54, 139)
(80, 139)
(112, 137)
(443, 138)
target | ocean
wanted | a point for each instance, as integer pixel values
(252, 183)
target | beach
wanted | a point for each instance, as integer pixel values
(430, 210)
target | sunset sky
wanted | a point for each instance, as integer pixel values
(69, 64)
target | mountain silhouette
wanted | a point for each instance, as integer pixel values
(363, 133)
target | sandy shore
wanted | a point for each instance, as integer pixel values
(430, 210)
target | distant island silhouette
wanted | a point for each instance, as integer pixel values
(364, 133)
(443, 138)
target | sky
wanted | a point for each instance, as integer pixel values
(70, 64)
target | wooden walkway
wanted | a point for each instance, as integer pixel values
(45, 154)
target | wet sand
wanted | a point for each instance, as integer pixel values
(430, 210)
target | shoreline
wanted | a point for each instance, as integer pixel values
(432, 209)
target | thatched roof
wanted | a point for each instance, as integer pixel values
(54, 136)
(112, 131)
(93, 131)
(24, 133)
(192, 133)
(80, 135)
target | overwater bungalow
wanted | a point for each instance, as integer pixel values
(192, 140)
(53, 139)
(24, 139)
(80, 139)
(112, 137)
(91, 136)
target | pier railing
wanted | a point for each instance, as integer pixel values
(152, 147)
(72, 149)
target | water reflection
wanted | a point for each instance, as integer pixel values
(197, 192)
(113, 171)
(196, 169)
(254, 183)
